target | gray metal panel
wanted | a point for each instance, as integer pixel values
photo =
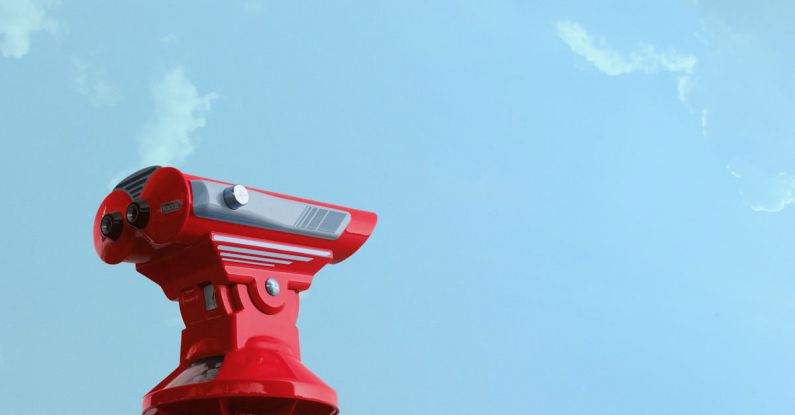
(209, 297)
(269, 212)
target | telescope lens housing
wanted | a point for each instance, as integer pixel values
(111, 225)
(138, 214)
(236, 260)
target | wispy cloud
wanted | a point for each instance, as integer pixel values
(740, 96)
(91, 81)
(684, 86)
(645, 58)
(19, 20)
(179, 111)
(765, 192)
(746, 87)
(762, 189)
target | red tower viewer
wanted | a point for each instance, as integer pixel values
(235, 259)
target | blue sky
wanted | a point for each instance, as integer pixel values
(583, 208)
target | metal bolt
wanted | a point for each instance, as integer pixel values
(236, 196)
(272, 286)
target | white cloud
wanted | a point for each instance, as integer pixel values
(19, 20)
(765, 192)
(749, 109)
(179, 112)
(738, 98)
(684, 86)
(91, 82)
(645, 58)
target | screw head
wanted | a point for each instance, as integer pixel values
(272, 287)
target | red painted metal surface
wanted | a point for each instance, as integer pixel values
(240, 349)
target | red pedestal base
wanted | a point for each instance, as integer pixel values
(263, 378)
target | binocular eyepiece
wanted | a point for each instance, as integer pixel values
(112, 225)
(137, 215)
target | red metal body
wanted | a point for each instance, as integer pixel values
(240, 347)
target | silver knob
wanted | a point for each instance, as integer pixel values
(235, 196)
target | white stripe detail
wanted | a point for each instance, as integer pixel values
(262, 264)
(263, 253)
(261, 244)
(254, 258)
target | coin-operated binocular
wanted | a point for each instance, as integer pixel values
(235, 259)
